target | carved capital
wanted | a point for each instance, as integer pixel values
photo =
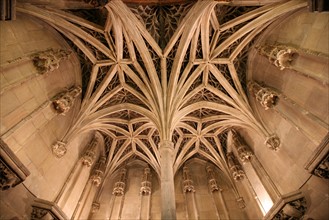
(64, 101)
(235, 168)
(264, 95)
(213, 186)
(96, 177)
(241, 202)
(89, 157)
(59, 149)
(48, 60)
(273, 142)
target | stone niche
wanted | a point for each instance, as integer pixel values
(12, 171)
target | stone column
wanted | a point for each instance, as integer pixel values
(235, 168)
(264, 95)
(188, 189)
(216, 192)
(78, 178)
(168, 202)
(83, 208)
(118, 198)
(145, 193)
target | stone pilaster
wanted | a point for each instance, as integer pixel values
(168, 205)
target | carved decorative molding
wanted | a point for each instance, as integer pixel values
(291, 206)
(42, 209)
(59, 149)
(212, 183)
(235, 168)
(48, 60)
(264, 95)
(187, 182)
(146, 184)
(273, 142)
(119, 187)
(64, 101)
(243, 150)
(12, 171)
(318, 163)
(281, 56)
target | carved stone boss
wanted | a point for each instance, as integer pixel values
(146, 183)
(64, 101)
(48, 60)
(234, 167)
(119, 187)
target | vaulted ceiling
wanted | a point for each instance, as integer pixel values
(163, 72)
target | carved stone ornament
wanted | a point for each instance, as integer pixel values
(38, 213)
(146, 184)
(95, 207)
(119, 187)
(59, 149)
(242, 149)
(273, 142)
(98, 172)
(265, 96)
(47, 61)
(235, 168)
(12, 171)
(90, 154)
(187, 182)
(280, 55)
(322, 170)
(241, 203)
(64, 101)
(213, 186)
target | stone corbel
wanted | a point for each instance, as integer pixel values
(146, 183)
(235, 168)
(119, 187)
(42, 209)
(187, 182)
(63, 102)
(12, 171)
(59, 149)
(273, 142)
(290, 206)
(281, 56)
(267, 97)
(48, 60)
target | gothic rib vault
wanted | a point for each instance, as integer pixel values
(165, 74)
